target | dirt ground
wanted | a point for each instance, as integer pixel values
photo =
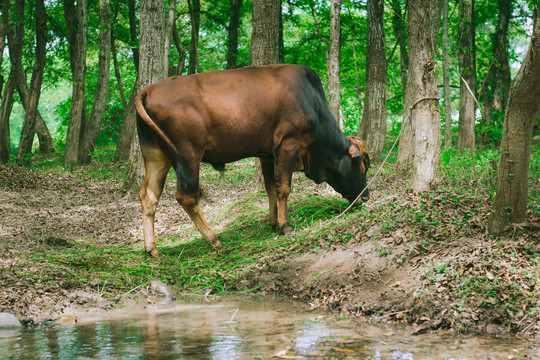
(40, 209)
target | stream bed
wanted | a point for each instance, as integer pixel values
(250, 328)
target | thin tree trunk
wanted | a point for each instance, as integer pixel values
(446, 81)
(168, 33)
(498, 75)
(234, 24)
(334, 57)
(7, 97)
(77, 42)
(356, 72)
(375, 112)
(28, 130)
(117, 71)
(151, 70)
(195, 14)
(467, 66)
(420, 141)
(181, 51)
(400, 29)
(5, 112)
(510, 203)
(89, 137)
(133, 32)
(127, 130)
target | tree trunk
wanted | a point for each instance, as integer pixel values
(446, 82)
(168, 33)
(117, 71)
(127, 130)
(264, 47)
(374, 121)
(334, 57)
(421, 109)
(467, 66)
(5, 112)
(265, 35)
(181, 51)
(151, 70)
(510, 203)
(498, 75)
(400, 29)
(29, 125)
(195, 15)
(77, 39)
(356, 73)
(133, 32)
(234, 24)
(90, 135)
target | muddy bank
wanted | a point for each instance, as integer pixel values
(423, 260)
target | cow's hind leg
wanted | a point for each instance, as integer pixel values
(284, 167)
(189, 200)
(157, 166)
(267, 166)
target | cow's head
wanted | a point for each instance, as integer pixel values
(349, 176)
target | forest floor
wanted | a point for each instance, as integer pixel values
(73, 240)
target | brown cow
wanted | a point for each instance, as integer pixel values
(277, 113)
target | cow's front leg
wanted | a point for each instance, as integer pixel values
(267, 166)
(156, 173)
(190, 202)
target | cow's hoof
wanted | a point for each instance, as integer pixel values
(287, 229)
(153, 252)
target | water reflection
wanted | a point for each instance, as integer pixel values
(242, 330)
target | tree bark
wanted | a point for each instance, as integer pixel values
(90, 135)
(265, 35)
(334, 57)
(467, 66)
(374, 121)
(195, 15)
(446, 82)
(400, 29)
(264, 47)
(234, 24)
(77, 39)
(420, 141)
(510, 203)
(29, 125)
(151, 70)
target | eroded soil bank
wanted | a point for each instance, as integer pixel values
(426, 260)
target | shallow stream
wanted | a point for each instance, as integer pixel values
(256, 328)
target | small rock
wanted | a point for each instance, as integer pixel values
(162, 289)
(67, 319)
(8, 320)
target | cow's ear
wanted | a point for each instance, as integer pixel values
(354, 151)
(357, 147)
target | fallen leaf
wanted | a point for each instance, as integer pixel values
(343, 350)
(489, 275)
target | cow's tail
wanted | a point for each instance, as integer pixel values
(146, 126)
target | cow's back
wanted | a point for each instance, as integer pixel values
(240, 113)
